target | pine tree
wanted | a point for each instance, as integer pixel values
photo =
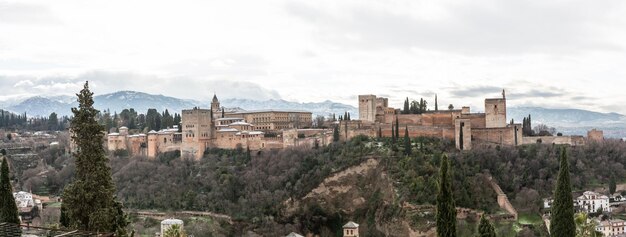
(562, 223)
(89, 201)
(485, 228)
(8, 208)
(446, 210)
(407, 141)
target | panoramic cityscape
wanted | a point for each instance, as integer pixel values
(322, 118)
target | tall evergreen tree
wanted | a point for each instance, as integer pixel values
(485, 228)
(406, 106)
(8, 208)
(446, 210)
(335, 134)
(380, 132)
(53, 122)
(393, 133)
(562, 223)
(407, 141)
(436, 105)
(89, 201)
(397, 128)
(612, 184)
(63, 219)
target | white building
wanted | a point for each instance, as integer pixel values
(611, 227)
(591, 202)
(547, 203)
(23, 199)
(351, 229)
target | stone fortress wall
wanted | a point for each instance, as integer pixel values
(465, 128)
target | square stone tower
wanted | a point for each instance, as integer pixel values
(495, 113)
(197, 132)
(367, 108)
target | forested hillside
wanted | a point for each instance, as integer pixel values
(255, 188)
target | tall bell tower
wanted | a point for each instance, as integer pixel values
(215, 105)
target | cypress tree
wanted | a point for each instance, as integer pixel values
(612, 185)
(397, 128)
(562, 223)
(89, 201)
(380, 132)
(335, 134)
(446, 211)
(8, 208)
(393, 134)
(485, 228)
(436, 105)
(406, 106)
(407, 141)
(346, 132)
(63, 220)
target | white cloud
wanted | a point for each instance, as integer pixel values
(543, 52)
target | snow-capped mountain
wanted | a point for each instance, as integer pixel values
(40, 106)
(141, 102)
(567, 121)
(115, 102)
(325, 108)
(572, 121)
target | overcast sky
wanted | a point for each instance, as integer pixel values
(564, 54)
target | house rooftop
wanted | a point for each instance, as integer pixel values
(292, 234)
(351, 225)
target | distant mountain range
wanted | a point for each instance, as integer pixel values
(141, 102)
(568, 121)
(572, 121)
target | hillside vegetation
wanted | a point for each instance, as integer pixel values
(368, 181)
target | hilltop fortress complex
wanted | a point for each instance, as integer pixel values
(465, 128)
(202, 129)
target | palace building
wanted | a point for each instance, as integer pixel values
(202, 129)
